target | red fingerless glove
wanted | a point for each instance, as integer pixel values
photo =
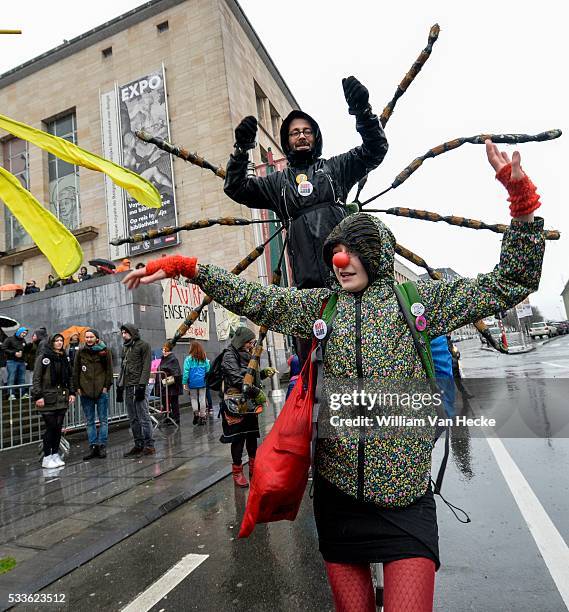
(174, 265)
(523, 197)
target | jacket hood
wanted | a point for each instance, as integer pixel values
(131, 329)
(370, 239)
(52, 339)
(40, 334)
(309, 157)
(242, 336)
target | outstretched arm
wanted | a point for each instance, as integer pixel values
(451, 305)
(287, 311)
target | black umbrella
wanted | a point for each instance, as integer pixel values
(107, 263)
(7, 321)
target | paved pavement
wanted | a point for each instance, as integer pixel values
(53, 521)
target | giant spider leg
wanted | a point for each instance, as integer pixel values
(458, 142)
(425, 215)
(242, 265)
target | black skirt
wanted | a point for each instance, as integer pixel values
(350, 531)
(248, 426)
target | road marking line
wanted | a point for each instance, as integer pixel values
(154, 593)
(549, 541)
(556, 365)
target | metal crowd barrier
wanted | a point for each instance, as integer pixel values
(21, 423)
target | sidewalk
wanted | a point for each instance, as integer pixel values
(53, 521)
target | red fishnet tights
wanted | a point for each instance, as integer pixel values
(409, 586)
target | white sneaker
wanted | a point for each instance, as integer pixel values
(47, 462)
(57, 460)
(12, 398)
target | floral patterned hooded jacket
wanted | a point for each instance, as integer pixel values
(371, 340)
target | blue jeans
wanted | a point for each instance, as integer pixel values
(102, 404)
(16, 372)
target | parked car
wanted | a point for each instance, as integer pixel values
(542, 330)
(562, 327)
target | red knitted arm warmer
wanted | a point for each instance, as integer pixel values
(173, 265)
(523, 197)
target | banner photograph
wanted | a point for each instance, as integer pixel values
(142, 106)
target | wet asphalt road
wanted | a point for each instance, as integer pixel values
(493, 563)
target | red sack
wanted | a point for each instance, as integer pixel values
(283, 460)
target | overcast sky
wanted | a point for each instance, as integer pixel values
(497, 67)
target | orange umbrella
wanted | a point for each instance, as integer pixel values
(74, 329)
(11, 287)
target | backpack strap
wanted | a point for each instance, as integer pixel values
(407, 295)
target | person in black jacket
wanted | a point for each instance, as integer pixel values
(240, 431)
(53, 392)
(15, 349)
(170, 365)
(131, 388)
(310, 194)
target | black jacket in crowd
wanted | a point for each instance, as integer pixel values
(12, 345)
(136, 360)
(52, 380)
(309, 218)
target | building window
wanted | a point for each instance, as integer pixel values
(64, 177)
(275, 122)
(16, 161)
(262, 105)
(107, 52)
(162, 27)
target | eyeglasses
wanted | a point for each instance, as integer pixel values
(296, 133)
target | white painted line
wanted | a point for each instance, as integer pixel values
(556, 365)
(549, 541)
(154, 593)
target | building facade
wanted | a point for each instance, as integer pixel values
(185, 69)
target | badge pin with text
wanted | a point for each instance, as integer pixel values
(305, 188)
(320, 329)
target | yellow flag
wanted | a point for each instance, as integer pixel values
(140, 189)
(52, 238)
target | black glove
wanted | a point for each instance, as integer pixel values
(357, 96)
(120, 395)
(140, 393)
(245, 133)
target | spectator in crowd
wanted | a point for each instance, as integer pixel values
(31, 287)
(53, 392)
(241, 431)
(139, 265)
(171, 381)
(18, 293)
(196, 366)
(35, 347)
(83, 274)
(15, 348)
(124, 265)
(93, 377)
(102, 271)
(51, 282)
(131, 388)
(3, 370)
(74, 346)
(294, 365)
(70, 280)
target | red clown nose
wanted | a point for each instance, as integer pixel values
(341, 260)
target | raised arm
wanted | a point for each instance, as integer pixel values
(456, 303)
(350, 167)
(252, 191)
